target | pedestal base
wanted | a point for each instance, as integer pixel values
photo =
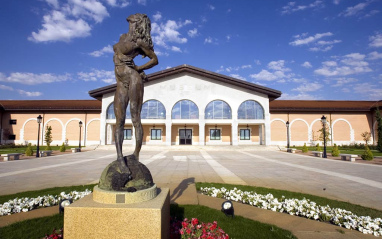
(86, 218)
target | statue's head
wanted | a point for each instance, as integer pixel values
(141, 27)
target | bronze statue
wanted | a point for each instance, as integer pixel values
(127, 173)
(130, 79)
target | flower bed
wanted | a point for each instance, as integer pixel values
(26, 204)
(303, 208)
(193, 229)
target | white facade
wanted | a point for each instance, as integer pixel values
(201, 90)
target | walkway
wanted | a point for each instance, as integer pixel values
(179, 167)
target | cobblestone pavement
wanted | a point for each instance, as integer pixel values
(179, 166)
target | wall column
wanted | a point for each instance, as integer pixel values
(202, 126)
(267, 129)
(234, 132)
(168, 131)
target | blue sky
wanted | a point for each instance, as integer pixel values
(307, 49)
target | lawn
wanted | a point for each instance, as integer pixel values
(356, 209)
(238, 227)
(345, 150)
(23, 148)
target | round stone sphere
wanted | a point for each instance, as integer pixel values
(115, 179)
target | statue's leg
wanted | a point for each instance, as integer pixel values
(121, 100)
(136, 100)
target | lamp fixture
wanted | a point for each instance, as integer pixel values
(227, 208)
(64, 203)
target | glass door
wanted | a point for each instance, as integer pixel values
(185, 136)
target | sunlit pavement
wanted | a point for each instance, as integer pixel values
(178, 167)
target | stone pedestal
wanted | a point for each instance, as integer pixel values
(87, 218)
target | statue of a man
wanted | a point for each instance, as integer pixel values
(130, 79)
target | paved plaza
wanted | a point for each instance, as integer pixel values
(178, 167)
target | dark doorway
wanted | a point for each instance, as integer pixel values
(185, 136)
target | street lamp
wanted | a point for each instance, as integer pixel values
(39, 119)
(287, 125)
(79, 143)
(323, 120)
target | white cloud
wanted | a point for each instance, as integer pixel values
(371, 13)
(336, 2)
(29, 94)
(324, 49)
(168, 32)
(210, 40)
(71, 19)
(246, 66)
(142, 2)
(120, 3)
(160, 53)
(176, 49)
(343, 81)
(96, 75)
(371, 91)
(57, 27)
(292, 7)
(278, 72)
(351, 11)
(4, 87)
(306, 64)
(301, 96)
(237, 76)
(53, 3)
(211, 7)
(157, 16)
(310, 39)
(347, 65)
(308, 87)
(192, 32)
(33, 79)
(376, 41)
(106, 49)
(374, 55)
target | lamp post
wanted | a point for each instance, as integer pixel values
(323, 120)
(287, 125)
(39, 119)
(79, 143)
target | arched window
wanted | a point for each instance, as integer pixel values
(218, 109)
(250, 109)
(110, 112)
(185, 109)
(153, 109)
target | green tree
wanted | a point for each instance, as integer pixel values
(335, 151)
(63, 148)
(318, 148)
(304, 148)
(379, 130)
(327, 134)
(29, 150)
(367, 154)
(48, 137)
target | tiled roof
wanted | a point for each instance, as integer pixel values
(321, 105)
(51, 105)
(272, 93)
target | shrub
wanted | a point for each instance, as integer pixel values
(335, 151)
(63, 148)
(367, 154)
(304, 148)
(318, 148)
(29, 150)
(48, 137)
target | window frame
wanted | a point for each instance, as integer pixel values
(215, 138)
(156, 134)
(244, 138)
(124, 134)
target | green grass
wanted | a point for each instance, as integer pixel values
(22, 149)
(342, 150)
(50, 191)
(237, 228)
(33, 228)
(356, 209)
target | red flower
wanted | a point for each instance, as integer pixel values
(194, 221)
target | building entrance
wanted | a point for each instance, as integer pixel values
(185, 136)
